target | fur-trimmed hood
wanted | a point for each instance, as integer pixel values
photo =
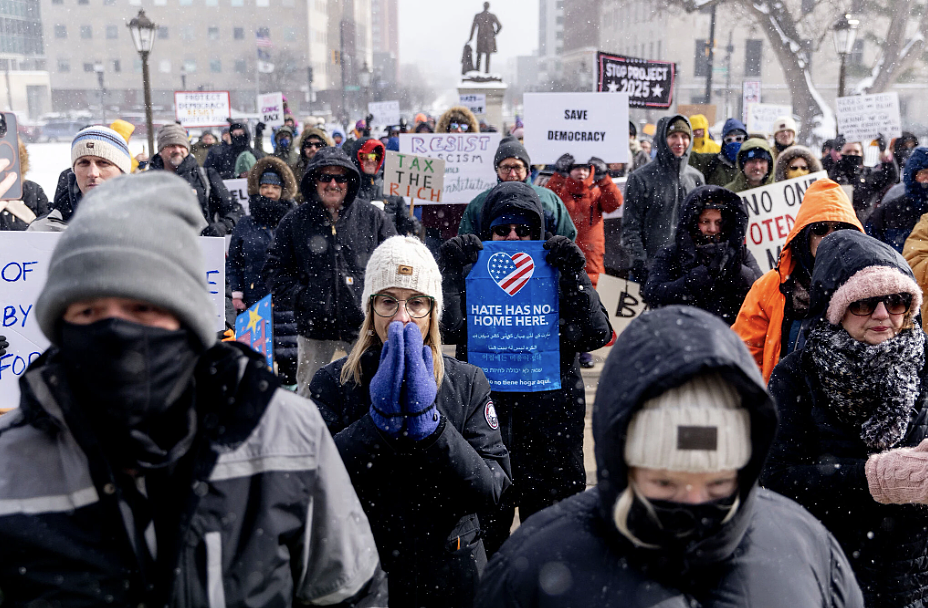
(23, 159)
(458, 114)
(787, 156)
(316, 132)
(289, 187)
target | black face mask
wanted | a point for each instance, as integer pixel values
(268, 212)
(675, 525)
(240, 141)
(134, 383)
(850, 164)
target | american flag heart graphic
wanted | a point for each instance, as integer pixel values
(511, 273)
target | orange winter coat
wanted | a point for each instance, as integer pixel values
(760, 321)
(586, 202)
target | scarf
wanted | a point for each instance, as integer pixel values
(870, 386)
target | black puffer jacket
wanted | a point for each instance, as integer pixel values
(771, 553)
(372, 189)
(222, 157)
(819, 461)
(316, 267)
(421, 497)
(219, 210)
(715, 277)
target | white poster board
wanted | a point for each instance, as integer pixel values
(761, 116)
(271, 109)
(202, 108)
(475, 102)
(771, 214)
(24, 260)
(418, 177)
(582, 124)
(622, 299)
(864, 117)
(750, 93)
(238, 188)
(385, 113)
(468, 161)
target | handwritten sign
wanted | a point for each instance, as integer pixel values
(412, 176)
(622, 299)
(238, 188)
(24, 260)
(761, 116)
(385, 113)
(513, 317)
(271, 109)
(475, 102)
(583, 124)
(771, 214)
(255, 327)
(863, 117)
(750, 93)
(202, 108)
(648, 82)
(468, 161)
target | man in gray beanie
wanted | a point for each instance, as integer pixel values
(143, 449)
(219, 210)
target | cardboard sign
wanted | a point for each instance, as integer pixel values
(771, 214)
(582, 124)
(468, 161)
(202, 108)
(761, 116)
(863, 117)
(513, 317)
(271, 109)
(24, 260)
(418, 177)
(475, 102)
(255, 327)
(238, 188)
(622, 299)
(648, 83)
(385, 113)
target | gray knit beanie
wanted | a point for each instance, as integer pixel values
(136, 236)
(172, 134)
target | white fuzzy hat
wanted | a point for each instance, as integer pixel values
(404, 262)
(697, 427)
(785, 123)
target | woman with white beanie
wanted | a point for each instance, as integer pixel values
(417, 431)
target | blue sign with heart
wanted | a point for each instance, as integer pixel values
(512, 317)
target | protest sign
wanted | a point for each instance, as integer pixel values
(761, 116)
(24, 260)
(771, 214)
(691, 109)
(475, 102)
(622, 299)
(468, 161)
(271, 109)
(512, 317)
(385, 113)
(750, 93)
(255, 327)
(202, 108)
(583, 124)
(417, 177)
(648, 83)
(238, 188)
(864, 117)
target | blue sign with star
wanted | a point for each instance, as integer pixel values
(512, 317)
(255, 327)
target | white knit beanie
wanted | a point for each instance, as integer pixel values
(403, 261)
(697, 427)
(104, 143)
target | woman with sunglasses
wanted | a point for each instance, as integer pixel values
(853, 410)
(417, 431)
(795, 161)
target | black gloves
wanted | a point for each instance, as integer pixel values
(3, 345)
(639, 272)
(215, 229)
(600, 168)
(259, 130)
(459, 251)
(565, 255)
(721, 263)
(699, 278)
(564, 165)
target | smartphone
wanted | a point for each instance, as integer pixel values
(11, 188)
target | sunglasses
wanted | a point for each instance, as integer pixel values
(823, 228)
(732, 139)
(896, 304)
(314, 144)
(505, 229)
(326, 178)
(371, 156)
(798, 167)
(459, 125)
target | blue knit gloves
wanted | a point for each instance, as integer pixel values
(403, 390)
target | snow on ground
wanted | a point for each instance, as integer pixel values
(47, 160)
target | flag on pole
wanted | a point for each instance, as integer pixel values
(263, 43)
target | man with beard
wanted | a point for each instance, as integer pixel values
(870, 183)
(222, 158)
(219, 210)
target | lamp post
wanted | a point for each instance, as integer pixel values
(845, 33)
(143, 37)
(98, 68)
(183, 76)
(364, 79)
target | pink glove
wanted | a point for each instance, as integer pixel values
(899, 476)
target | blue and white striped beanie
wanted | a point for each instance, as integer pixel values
(103, 142)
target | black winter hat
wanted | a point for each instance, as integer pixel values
(509, 147)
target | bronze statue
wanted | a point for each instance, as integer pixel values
(487, 27)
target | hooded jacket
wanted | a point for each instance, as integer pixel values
(222, 157)
(572, 554)
(785, 157)
(893, 220)
(819, 461)
(216, 204)
(315, 266)
(291, 154)
(760, 320)
(372, 186)
(740, 182)
(33, 197)
(713, 277)
(653, 195)
(704, 144)
(458, 114)
(299, 167)
(715, 166)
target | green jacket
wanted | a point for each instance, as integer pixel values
(740, 182)
(717, 169)
(557, 219)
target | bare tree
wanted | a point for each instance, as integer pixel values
(289, 72)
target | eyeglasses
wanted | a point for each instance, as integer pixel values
(824, 228)
(896, 304)
(511, 168)
(371, 156)
(325, 178)
(505, 229)
(732, 139)
(798, 167)
(314, 144)
(385, 305)
(459, 125)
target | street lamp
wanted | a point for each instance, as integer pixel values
(143, 37)
(364, 79)
(98, 68)
(183, 76)
(845, 33)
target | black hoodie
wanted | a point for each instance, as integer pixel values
(771, 553)
(222, 157)
(372, 190)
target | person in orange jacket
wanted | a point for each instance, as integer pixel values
(774, 308)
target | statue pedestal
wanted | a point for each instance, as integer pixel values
(494, 91)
